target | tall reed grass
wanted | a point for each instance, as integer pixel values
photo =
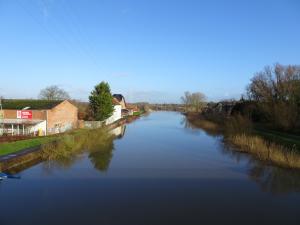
(266, 150)
(238, 132)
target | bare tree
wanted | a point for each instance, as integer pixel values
(277, 92)
(185, 100)
(198, 101)
(193, 101)
(54, 93)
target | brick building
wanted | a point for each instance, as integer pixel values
(37, 117)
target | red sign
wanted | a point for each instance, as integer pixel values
(24, 114)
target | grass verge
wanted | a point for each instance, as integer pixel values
(13, 147)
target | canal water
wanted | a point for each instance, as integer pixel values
(159, 170)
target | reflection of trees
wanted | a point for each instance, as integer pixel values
(71, 148)
(186, 123)
(272, 179)
(101, 157)
(204, 125)
(275, 179)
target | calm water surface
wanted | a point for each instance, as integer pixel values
(158, 171)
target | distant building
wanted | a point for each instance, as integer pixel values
(133, 108)
(37, 117)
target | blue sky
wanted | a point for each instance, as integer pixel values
(149, 50)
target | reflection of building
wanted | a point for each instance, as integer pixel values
(119, 132)
(41, 117)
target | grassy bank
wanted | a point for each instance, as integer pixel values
(12, 147)
(286, 139)
(64, 149)
(139, 113)
(270, 146)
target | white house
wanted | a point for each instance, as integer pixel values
(117, 114)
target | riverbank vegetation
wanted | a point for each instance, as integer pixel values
(266, 123)
(16, 146)
(12, 147)
(241, 136)
(66, 149)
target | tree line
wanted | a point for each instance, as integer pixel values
(275, 91)
(272, 98)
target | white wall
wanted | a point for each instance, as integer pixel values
(116, 115)
(41, 125)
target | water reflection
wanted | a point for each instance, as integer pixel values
(159, 173)
(270, 178)
(97, 144)
(274, 179)
(118, 132)
(99, 148)
(206, 126)
(101, 156)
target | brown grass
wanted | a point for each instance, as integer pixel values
(237, 124)
(265, 150)
(238, 132)
(199, 121)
